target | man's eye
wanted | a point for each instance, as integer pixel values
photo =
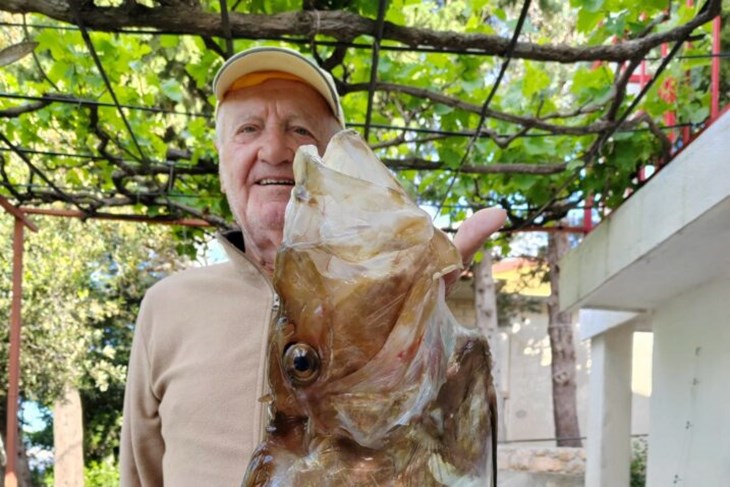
(302, 131)
(246, 129)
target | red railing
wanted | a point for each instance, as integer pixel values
(668, 93)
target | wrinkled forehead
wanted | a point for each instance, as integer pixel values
(286, 95)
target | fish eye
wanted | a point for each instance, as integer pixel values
(301, 364)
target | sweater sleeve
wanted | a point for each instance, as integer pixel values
(142, 446)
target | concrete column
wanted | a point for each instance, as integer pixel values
(608, 441)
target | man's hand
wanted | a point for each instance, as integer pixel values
(471, 235)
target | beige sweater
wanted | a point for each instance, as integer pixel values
(191, 410)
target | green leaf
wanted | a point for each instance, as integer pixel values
(699, 113)
(72, 177)
(534, 81)
(169, 41)
(575, 164)
(172, 90)
(588, 5)
(588, 20)
(442, 109)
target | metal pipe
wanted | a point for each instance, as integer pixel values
(588, 215)
(643, 79)
(11, 478)
(669, 96)
(715, 78)
(188, 222)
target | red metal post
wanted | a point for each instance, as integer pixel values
(11, 478)
(670, 96)
(643, 79)
(588, 215)
(715, 79)
(686, 132)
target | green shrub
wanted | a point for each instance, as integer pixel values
(101, 474)
(639, 449)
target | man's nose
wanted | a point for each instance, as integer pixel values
(275, 147)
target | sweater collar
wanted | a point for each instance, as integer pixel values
(233, 244)
(233, 237)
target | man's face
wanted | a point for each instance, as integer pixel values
(259, 131)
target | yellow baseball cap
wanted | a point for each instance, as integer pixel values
(256, 65)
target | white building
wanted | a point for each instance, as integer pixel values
(661, 262)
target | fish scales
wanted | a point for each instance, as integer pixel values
(373, 381)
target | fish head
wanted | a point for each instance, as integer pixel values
(358, 259)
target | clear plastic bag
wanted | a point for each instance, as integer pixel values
(373, 381)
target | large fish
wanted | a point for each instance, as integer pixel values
(373, 381)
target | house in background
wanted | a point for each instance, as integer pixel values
(526, 358)
(527, 452)
(661, 263)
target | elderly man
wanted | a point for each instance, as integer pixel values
(192, 414)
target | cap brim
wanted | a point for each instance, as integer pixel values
(277, 59)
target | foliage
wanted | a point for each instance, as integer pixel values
(543, 113)
(83, 282)
(101, 474)
(638, 462)
(80, 279)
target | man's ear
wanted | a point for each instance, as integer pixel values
(216, 143)
(221, 179)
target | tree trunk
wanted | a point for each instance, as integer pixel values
(560, 330)
(485, 302)
(68, 440)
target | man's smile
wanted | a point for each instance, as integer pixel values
(275, 181)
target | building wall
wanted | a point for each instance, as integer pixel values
(690, 431)
(528, 409)
(528, 406)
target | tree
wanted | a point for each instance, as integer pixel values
(562, 348)
(559, 125)
(80, 301)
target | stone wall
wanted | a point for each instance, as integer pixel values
(540, 467)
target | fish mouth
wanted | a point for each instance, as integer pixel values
(275, 182)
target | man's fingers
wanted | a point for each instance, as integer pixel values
(475, 231)
(471, 236)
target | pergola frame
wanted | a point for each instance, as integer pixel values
(307, 28)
